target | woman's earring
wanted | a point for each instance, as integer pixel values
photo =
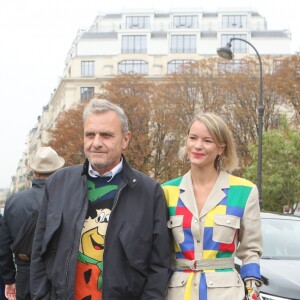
(186, 160)
(218, 163)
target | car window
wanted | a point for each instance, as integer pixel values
(281, 238)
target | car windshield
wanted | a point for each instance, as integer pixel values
(281, 238)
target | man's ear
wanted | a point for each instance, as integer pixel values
(126, 140)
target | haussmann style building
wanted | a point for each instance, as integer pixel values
(151, 43)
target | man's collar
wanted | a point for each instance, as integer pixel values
(117, 169)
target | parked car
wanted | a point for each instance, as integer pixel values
(280, 262)
(296, 209)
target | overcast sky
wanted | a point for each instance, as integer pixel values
(36, 36)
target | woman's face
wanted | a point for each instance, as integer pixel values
(201, 150)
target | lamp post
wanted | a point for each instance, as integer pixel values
(225, 52)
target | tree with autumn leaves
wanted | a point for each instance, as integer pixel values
(159, 111)
(67, 136)
(152, 147)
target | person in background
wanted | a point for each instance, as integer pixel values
(15, 271)
(2, 297)
(214, 216)
(286, 210)
(102, 229)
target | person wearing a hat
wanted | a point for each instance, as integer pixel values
(15, 271)
(2, 297)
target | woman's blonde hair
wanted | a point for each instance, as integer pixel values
(222, 136)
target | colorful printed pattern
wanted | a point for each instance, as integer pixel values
(101, 193)
(232, 204)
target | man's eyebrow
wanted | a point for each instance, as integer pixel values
(88, 131)
(106, 132)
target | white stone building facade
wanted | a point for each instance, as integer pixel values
(153, 44)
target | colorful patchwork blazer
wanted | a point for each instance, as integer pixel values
(228, 226)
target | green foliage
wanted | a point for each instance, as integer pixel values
(280, 167)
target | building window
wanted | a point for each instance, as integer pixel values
(278, 64)
(237, 46)
(86, 93)
(235, 65)
(133, 66)
(139, 22)
(176, 66)
(87, 68)
(134, 44)
(234, 21)
(192, 93)
(183, 43)
(275, 121)
(185, 21)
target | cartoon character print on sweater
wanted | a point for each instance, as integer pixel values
(91, 252)
(90, 257)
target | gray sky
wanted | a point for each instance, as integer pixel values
(36, 36)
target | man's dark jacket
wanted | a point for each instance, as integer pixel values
(137, 245)
(17, 209)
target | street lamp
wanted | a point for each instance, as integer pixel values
(225, 52)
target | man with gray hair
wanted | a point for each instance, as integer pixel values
(18, 209)
(102, 230)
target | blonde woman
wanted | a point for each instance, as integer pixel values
(214, 216)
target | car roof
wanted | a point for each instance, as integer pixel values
(272, 215)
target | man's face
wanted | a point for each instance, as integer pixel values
(104, 140)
